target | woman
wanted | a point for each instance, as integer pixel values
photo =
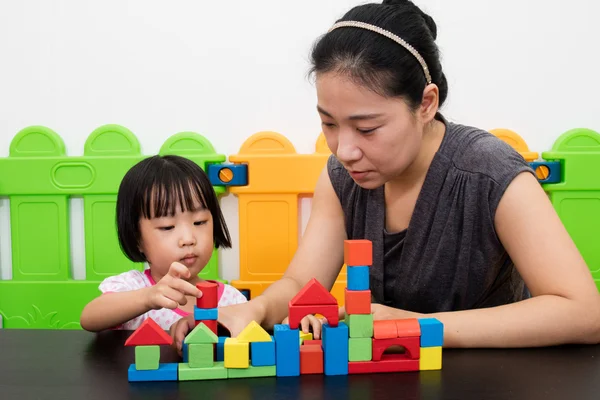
(461, 229)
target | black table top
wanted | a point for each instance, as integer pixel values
(46, 364)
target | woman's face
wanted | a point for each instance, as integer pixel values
(374, 137)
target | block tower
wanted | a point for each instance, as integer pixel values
(205, 310)
(147, 338)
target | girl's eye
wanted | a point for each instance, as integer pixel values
(327, 124)
(166, 228)
(200, 223)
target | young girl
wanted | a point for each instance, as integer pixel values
(168, 215)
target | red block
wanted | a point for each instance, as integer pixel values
(313, 294)
(311, 359)
(209, 297)
(312, 343)
(211, 324)
(412, 346)
(328, 311)
(408, 327)
(390, 363)
(358, 253)
(385, 329)
(357, 301)
(147, 334)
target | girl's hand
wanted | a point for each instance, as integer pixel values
(171, 290)
(310, 321)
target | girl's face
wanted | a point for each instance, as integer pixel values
(374, 137)
(186, 237)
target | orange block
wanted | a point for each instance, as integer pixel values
(357, 301)
(311, 359)
(385, 329)
(358, 252)
(408, 327)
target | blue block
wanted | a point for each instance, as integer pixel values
(262, 354)
(335, 349)
(246, 293)
(201, 314)
(240, 174)
(554, 171)
(432, 332)
(165, 372)
(221, 349)
(358, 278)
(287, 350)
(185, 353)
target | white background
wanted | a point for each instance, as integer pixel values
(227, 69)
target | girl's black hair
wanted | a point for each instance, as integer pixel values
(377, 62)
(153, 188)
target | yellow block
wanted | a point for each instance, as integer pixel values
(431, 358)
(237, 354)
(306, 336)
(253, 332)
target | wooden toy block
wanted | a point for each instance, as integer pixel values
(410, 344)
(313, 294)
(220, 349)
(358, 252)
(165, 372)
(360, 349)
(253, 332)
(408, 327)
(335, 349)
(201, 334)
(296, 313)
(187, 373)
(390, 363)
(431, 358)
(201, 355)
(287, 350)
(432, 332)
(262, 354)
(147, 357)
(311, 359)
(227, 174)
(185, 351)
(252, 372)
(385, 329)
(358, 278)
(313, 342)
(211, 324)
(357, 301)
(306, 336)
(201, 314)
(149, 333)
(237, 354)
(360, 325)
(209, 297)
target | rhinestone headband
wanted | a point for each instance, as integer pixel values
(388, 34)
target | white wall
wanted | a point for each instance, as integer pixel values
(228, 69)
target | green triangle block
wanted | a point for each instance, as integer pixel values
(201, 334)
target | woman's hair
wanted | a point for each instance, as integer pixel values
(377, 62)
(154, 188)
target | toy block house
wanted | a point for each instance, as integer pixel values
(199, 361)
(237, 353)
(147, 338)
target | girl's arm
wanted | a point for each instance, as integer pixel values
(565, 307)
(320, 254)
(113, 309)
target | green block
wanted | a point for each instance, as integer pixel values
(360, 326)
(201, 355)
(251, 372)
(147, 357)
(360, 349)
(187, 373)
(201, 334)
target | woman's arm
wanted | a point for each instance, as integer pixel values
(565, 307)
(320, 254)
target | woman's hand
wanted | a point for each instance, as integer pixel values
(381, 312)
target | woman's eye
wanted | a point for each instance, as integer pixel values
(327, 124)
(365, 131)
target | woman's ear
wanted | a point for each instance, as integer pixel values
(430, 104)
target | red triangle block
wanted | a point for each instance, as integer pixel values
(313, 294)
(149, 333)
